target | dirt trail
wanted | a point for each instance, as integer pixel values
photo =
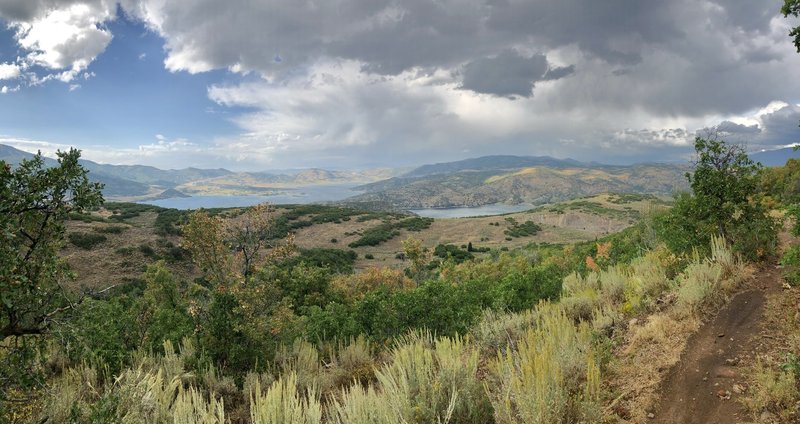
(700, 388)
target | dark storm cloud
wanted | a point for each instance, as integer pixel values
(343, 78)
(734, 128)
(781, 126)
(677, 56)
(509, 74)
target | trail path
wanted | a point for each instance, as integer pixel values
(703, 387)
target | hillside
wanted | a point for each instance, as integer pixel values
(491, 163)
(134, 235)
(533, 184)
(139, 182)
(265, 183)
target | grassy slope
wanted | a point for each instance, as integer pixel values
(121, 258)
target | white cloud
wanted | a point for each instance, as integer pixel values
(9, 71)
(64, 38)
(6, 89)
(342, 80)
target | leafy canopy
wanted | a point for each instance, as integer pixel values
(792, 7)
(725, 201)
(35, 201)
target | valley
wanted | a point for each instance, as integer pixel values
(139, 234)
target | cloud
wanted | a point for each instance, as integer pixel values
(161, 153)
(509, 74)
(63, 37)
(316, 81)
(9, 71)
(770, 127)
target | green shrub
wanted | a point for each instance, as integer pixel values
(336, 260)
(85, 241)
(553, 375)
(449, 251)
(528, 228)
(111, 229)
(147, 251)
(388, 230)
(281, 403)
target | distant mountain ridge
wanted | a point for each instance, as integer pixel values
(141, 182)
(517, 179)
(775, 157)
(492, 163)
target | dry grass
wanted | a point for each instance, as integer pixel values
(771, 386)
(652, 345)
(118, 259)
(567, 227)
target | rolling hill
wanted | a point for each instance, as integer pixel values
(140, 182)
(513, 180)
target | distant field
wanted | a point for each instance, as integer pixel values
(118, 242)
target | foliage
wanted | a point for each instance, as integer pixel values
(204, 236)
(782, 182)
(418, 255)
(336, 260)
(553, 375)
(122, 211)
(774, 390)
(163, 314)
(388, 230)
(86, 241)
(792, 7)
(791, 256)
(355, 286)
(528, 228)
(449, 251)
(35, 201)
(434, 381)
(724, 201)
(282, 404)
(166, 220)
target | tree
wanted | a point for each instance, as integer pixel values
(725, 201)
(229, 250)
(419, 257)
(792, 7)
(204, 236)
(35, 202)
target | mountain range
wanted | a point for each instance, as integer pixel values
(470, 182)
(141, 182)
(534, 180)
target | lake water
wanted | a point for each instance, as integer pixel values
(486, 210)
(322, 193)
(302, 195)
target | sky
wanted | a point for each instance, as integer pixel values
(275, 84)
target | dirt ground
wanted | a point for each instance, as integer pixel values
(705, 385)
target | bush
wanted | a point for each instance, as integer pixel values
(369, 256)
(86, 241)
(336, 260)
(147, 251)
(553, 375)
(449, 251)
(528, 228)
(111, 229)
(388, 230)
